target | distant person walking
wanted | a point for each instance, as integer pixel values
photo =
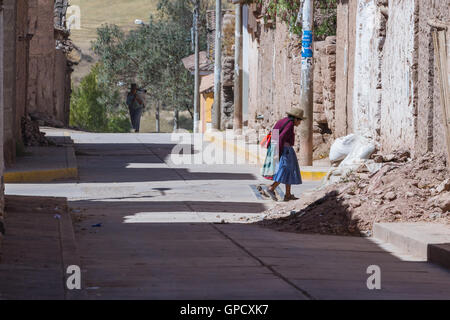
(286, 170)
(135, 106)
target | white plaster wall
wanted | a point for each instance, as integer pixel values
(366, 96)
(398, 78)
(246, 39)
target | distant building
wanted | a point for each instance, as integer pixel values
(206, 86)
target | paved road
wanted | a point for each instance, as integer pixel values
(161, 236)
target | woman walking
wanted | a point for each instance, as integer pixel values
(286, 170)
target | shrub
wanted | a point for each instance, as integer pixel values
(96, 109)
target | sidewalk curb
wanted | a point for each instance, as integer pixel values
(40, 175)
(36, 176)
(421, 240)
(252, 157)
(70, 254)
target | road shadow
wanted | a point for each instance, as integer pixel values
(127, 208)
(103, 163)
(243, 261)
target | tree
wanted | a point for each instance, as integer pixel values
(94, 108)
(151, 55)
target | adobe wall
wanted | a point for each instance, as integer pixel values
(274, 83)
(60, 85)
(42, 57)
(399, 77)
(431, 134)
(366, 99)
(2, 186)
(396, 96)
(21, 65)
(9, 79)
(345, 64)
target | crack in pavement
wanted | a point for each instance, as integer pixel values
(236, 243)
(263, 264)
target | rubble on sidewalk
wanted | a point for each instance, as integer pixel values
(32, 136)
(402, 190)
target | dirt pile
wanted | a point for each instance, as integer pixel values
(32, 136)
(401, 191)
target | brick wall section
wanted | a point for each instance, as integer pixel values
(431, 135)
(9, 79)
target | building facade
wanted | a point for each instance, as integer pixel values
(34, 72)
(386, 68)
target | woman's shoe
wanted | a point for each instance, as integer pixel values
(290, 198)
(272, 194)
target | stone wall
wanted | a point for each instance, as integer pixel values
(227, 95)
(345, 58)
(227, 76)
(324, 96)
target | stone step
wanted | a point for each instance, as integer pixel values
(440, 254)
(427, 241)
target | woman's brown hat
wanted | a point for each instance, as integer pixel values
(297, 113)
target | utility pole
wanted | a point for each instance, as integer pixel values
(217, 67)
(157, 118)
(237, 123)
(175, 120)
(307, 78)
(197, 72)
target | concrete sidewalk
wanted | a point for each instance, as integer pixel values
(38, 246)
(155, 229)
(255, 154)
(45, 164)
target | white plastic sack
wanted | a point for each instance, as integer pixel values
(342, 147)
(362, 149)
(353, 150)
